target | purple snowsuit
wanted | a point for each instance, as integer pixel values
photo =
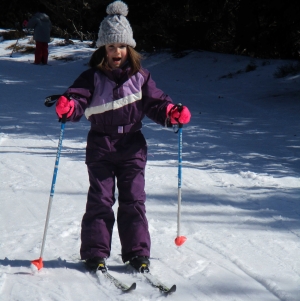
(115, 104)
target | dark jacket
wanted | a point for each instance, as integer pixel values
(41, 24)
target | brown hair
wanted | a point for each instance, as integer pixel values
(98, 59)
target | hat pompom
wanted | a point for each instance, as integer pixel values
(117, 8)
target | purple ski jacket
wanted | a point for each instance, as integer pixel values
(114, 102)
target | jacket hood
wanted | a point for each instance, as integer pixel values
(42, 16)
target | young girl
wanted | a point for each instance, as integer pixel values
(115, 94)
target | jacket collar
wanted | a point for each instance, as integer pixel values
(118, 75)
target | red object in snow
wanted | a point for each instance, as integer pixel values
(180, 240)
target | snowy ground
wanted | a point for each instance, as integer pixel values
(240, 186)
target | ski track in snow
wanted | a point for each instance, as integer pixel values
(271, 286)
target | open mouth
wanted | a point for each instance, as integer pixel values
(117, 59)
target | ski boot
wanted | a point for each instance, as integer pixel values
(140, 263)
(95, 264)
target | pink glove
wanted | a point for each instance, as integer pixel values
(64, 106)
(178, 117)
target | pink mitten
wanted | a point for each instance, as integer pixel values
(176, 117)
(64, 106)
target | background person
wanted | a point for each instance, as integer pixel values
(41, 24)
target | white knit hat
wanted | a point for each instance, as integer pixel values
(115, 28)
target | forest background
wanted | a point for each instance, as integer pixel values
(258, 28)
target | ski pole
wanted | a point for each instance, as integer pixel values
(179, 240)
(38, 263)
(14, 48)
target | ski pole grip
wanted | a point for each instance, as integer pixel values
(64, 118)
(180, 107)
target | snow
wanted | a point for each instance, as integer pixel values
(240, 205)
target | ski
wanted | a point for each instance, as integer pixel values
(119, 284)
(154, 281)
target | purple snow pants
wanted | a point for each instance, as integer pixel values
(115, 160)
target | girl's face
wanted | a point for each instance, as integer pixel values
(116, 54)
